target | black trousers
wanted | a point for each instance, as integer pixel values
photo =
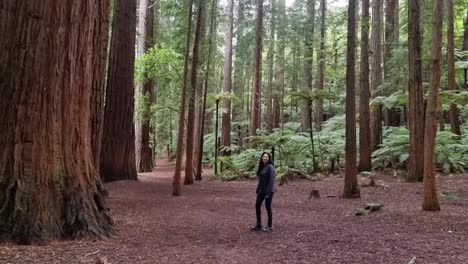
(258, 205)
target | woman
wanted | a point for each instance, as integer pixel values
(265, 190)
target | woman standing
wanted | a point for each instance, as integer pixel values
(265, 190)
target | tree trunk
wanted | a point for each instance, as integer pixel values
(351, 188)
(227, 74)
(278, 98)
(180, 133)
(416, 101)
(376, 73)
(271, 59)
(430, 191)
(257, 75)
(321, 66)
(239, 62)
(364, 111)
(48, 182)
(309, 53)
(118, 148)
(142, 128)
(453, 114)
(193, 86)
(101, 38)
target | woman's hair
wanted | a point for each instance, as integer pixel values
(261, 164)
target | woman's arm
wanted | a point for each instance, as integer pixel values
(271, 181)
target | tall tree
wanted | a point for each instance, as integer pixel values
(415, 102)
(271, 59)
(309, 61)
(48, 182)
(351, 188)
(392, 33)
(101, 27)
(239, 62)
(454, 121)
(364, 111)
(321, 66)
(144, 161)
(193, 86)
(430, 191)
(465, 45)
(118, 147)
(227, 78)
(279, 95)
(183, 98)
(376, 72)
(257, 75)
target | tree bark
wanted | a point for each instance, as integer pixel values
(321, 66)
(415, 102)
(364, 120)
(227, 79)
(279, 95)
(271, 59)
(176, 188)
(193, 86)
(49, 186)
(376, 73)
(239, 63)
(351, 188)
(257, 75)
(453, 114)
(430, 191)
(118, 149)
(309, 53)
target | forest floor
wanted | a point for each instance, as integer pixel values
(210, 223)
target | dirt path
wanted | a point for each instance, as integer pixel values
(210, 223)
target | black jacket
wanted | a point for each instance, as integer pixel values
(266, 180)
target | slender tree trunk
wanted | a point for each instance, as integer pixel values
(351, 188)
(49, 186)
(309, 53)
(176, 188)
(465, 47)
(214, 7)
(191, 110)
(142, 127)
(227, 74)
(415, 102)
(271, 59)
(118, 148)
(430, 191)
(257, 75)
(239, 62)
(321, 66)
(376, 73)
(278, 98)
(453, 114)
(364, 111)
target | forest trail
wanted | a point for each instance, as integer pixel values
(210, 223)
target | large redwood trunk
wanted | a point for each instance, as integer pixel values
(364, 111)
(453, 114)
(143, 152)
(308, 61)
(48, 182)
(118, 147)
(227, 79)
(193, 86)
(430, 191)
(257, 76)
(351, 188)
(415, 100)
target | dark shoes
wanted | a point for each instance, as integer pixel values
(268, 229)
(256, 228)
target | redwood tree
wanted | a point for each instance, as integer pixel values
(364, 112)
(271, 59)
(48, 182)
(376, 72)
(415, 100)
(351, 188)
(454, 121)
(227, 78)
(430, 191)
(118, 144)
(257, 75)
(193, 86)
(308, 58)
(321, 66)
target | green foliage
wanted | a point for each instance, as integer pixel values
(163, 64)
